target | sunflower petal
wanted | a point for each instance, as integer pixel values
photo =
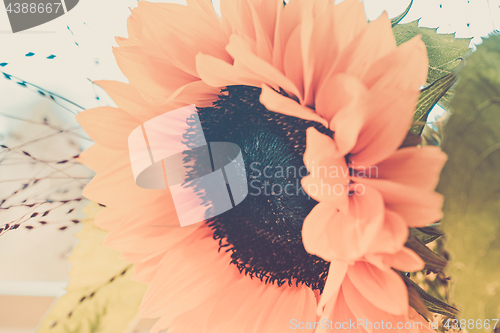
(108, 126)
(382, 288)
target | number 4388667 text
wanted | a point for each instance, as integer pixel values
(33, 8)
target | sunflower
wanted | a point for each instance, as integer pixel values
(307, 85)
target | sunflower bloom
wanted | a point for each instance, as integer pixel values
(301, 87)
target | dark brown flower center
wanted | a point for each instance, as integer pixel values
(263, 233)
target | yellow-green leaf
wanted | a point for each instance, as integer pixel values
(444, 50)
(470, 182)
(428, 97)
(100, 297)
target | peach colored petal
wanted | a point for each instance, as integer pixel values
(268, 12)
(392, 236)
(365, 310)
(185, 322)
(256, 318)
(237, 18)
(236, 310)
(260, 33)
(336, 235)
(108, 126)
(336, 274)
(206, 9)
(293, 303)
(329, 175)
(262, 46)
(274, 101)
(313, 230)
(418, 207)
(382, 288)
(97, 156)
(319, 56)
(293, 62)
(189, 275)
(298, 60)
(248, 69)
(106, 219)
(338, 24)
(405, 260)
(129, 99)
(348, 91)
(372, 44)
(144, 268)
(253, 19)
(405, 68)
(197, 92)
(155, 77)
(116, 186)
(134, 30)
(385, 127)
(130, 236)
(345, 21)
(306, 31)
(418, 167)
(185, 27)
(349, 113)
(101, 189)
(349, 21)
(289, 18)
(235, 307)
(338, 313)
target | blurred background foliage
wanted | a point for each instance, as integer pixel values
(101, 297)
(470, 182)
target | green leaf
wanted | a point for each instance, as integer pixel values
(428, 97)
(470, 183)
(398, 18)
(100, 297)
(444, 50)
(414, 298)
(433, 261)
(431, 303)
(432, 230)
(427, 234)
